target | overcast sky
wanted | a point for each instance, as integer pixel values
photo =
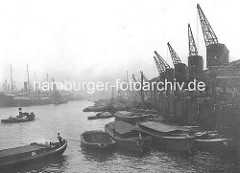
(102, 39)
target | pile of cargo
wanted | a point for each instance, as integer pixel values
(106, 106)
(144, 111)
(101, 115)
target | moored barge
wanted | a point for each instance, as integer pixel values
(169, 137)
(97, 140)
(29, 153)
(127, 136)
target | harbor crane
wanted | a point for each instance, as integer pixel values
(175, 57)
(161, 64)
(191, 43)
(195, 62)
(208, 33)
(160, 68)
(217, 53)
(162, 61)
(180, 69)
(145, 78)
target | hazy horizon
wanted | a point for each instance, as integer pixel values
(101, 40)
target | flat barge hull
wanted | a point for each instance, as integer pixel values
(28, 154)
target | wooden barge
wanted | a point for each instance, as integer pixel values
(97, 140)
(30, 153)
(128, 136)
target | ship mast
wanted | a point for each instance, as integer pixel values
(11, 79)
(141, 91)
(134, 78)
(28, 79)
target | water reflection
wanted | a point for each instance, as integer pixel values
(97, 155)
(70, 121)
(47, 165)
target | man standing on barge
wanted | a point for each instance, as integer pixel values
(59, 138)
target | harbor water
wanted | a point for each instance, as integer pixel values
(69, 120)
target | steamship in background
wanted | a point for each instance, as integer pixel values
(11, 97)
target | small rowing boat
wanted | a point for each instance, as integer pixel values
(211, 141)
(96, 140)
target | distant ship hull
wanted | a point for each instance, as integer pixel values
(32, 99)
(11, 100)
(22, 101)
